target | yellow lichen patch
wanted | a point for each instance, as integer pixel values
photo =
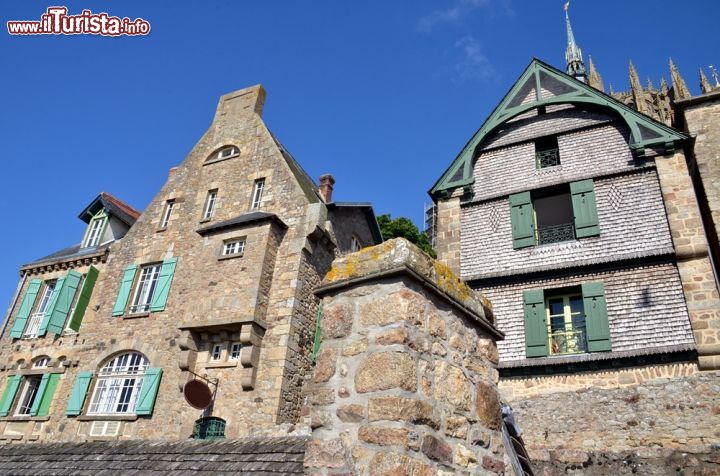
(448, 281)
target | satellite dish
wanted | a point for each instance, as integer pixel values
(197, 394)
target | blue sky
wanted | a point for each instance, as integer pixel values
(381, 94)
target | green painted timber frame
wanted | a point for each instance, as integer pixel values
(459, 174)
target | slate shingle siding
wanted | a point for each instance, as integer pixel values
(243, 456)
(646, 308)
(632, 224)
(584, 153)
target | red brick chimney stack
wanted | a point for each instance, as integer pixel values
(326, 187)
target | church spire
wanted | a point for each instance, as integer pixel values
(594, 78)
(680, 89)
(638, 92)
(704, 83)
(573, 53)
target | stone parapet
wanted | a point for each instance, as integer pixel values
(405, 380)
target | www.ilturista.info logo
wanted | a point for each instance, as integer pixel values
(57, 22)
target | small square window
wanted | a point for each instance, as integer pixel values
(233, 247)
(547, 152)
(235, 351)
(216, 353)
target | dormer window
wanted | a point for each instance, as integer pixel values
(223, 153)
(95, 229)
(547, 152)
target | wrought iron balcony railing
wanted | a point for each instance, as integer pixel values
(572, 341)
(556, 233)
(547, 158)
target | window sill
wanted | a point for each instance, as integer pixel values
(138, 315)
(25, 418)
(160, 230)
(107, 418)
(205, 220)
(232, 256)
(219, 365)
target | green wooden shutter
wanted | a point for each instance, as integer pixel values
(584, 208)
(47, 396)
(163, 285)
(11, 388)
(39, 394)
(79, 392)
(523, 223)
(536, 338)
(65, 297)
(124, 292)
(148, 392)
(596, 318)
(24, 312)
(51, 306)
(83, 299)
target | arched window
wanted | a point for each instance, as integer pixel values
(41, 362)
(118, 384)
(224, 153)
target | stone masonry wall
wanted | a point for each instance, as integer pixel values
(702, 123)
(671, 413)
(691, 248)
(405, 380)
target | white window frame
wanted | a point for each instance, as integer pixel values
(95, 230)
(145, 288)
(29, 394)
(40, 363)
(235, 351)
(169, 205)
(216, 353)
(234, 247)
(33, 325)
(258, 190)
(118, 385)
(210, 203)
(227, 152)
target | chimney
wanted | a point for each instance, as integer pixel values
(240, 104)
(326, 187)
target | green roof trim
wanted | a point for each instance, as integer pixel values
(542, 85)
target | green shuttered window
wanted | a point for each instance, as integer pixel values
(24, 312)
(83, 299)
(584, 208)
(536, 338)
(163, 285)
(152, 288)
(148, 392)
(79, 392)
(11, 388)
(576, 327)
(63, 298)
(46, 390)
(523, 223)
(124, 292)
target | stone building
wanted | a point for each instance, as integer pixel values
(587, 219)
(214, 281)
